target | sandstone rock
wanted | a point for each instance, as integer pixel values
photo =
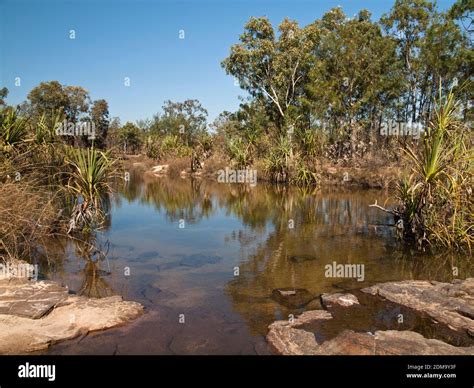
(77, 316)
(389, 342)
(292, 297)
(339, 299)
(449, 303)
(30, 299)
(446, 306)
(34, 315)
(286, 338)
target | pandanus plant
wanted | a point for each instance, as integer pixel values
(435, 201)
(90, 171)
(13, 129)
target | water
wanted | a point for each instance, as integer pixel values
(206, 258)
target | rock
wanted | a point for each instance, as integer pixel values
(339, 299)
(389, 342)
(448, 307)
(77, 316)
(149, 255)
(449, 303)
(292, 297)
(302, 258)
(286, 338)
(36, 314)
(196, 260)
(30, 299)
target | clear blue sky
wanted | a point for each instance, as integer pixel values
(140, 40)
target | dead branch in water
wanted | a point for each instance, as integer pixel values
(392, 212)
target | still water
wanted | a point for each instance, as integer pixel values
(206, 258)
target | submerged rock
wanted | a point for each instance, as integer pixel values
(196, 260)
(292, 297)
(302, 258)
(448, 303)
(44, 313)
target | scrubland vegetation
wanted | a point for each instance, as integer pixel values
(315, 96)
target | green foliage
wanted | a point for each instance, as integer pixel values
(277, 163)
(129, 137)
(90, 173)
(100, 118)
(436, 204)
(13, 129)
(304, 176)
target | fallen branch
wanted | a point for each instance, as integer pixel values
(392, 212)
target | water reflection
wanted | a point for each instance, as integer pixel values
(241, 252)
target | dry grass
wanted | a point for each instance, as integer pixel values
(28, 217)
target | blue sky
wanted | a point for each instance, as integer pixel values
(140, 40)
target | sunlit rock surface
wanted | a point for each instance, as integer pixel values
(34, 315)
(443, 304)
(449, 303)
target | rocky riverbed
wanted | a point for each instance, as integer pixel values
(36, 314)
(394, 318)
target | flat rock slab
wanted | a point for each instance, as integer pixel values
(389, 342)
(74, 316)
(288, 338)
(449, 303)
(344, 300)
(30, 299)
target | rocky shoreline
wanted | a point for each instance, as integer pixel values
(37, 314)
(395, 318)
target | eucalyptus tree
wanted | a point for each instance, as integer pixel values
(408, 21)
(52, 96)
(273, 66)
(355, 75)
(100, 117)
